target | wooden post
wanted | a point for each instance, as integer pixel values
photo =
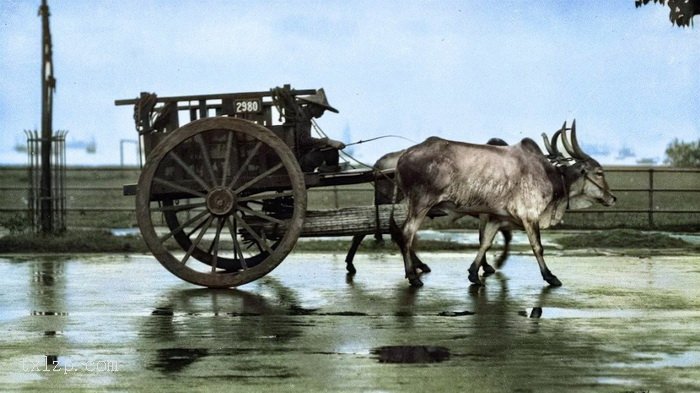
(48, 84)
(651, 197)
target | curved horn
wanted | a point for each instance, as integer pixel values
(555, 139)
(547, 145)
(552, 147)
(567, 146)
(575, 145)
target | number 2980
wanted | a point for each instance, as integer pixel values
(248, 106)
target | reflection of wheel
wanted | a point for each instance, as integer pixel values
(233, 198)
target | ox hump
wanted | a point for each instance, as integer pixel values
(530, 146)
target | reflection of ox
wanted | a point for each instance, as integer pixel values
(386, 192)
(517, 183)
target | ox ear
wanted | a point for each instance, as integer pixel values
(580, 168)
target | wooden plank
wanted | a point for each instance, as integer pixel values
(197, 97)
(352, 221)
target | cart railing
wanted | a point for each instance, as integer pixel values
(155, 117)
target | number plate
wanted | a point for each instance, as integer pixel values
(248, 105)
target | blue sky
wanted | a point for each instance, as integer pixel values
(462, 70)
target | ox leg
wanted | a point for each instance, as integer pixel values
(356, 241)
(419, 263)
(507, 237)
(488, 269)
(407, 236)
(490, 230)
(533, 234)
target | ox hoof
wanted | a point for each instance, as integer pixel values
(474, 278)
(488, 270)
(415, 282)
(553, 280)
(351, 268)
(424, 268)
(501, 261)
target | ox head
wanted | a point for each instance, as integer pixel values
(585, 176)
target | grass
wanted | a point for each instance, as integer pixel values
(372, 246)
(74, 241)
(622, 238)
(99, 241)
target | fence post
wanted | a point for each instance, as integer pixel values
(336, 203)
(651, 197)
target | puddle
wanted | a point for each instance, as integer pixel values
(163, 312)
(662, 360)
(618, 381)
(598, 313)
(411, 354)
(455, 313)
(171, 360)
(125, 231)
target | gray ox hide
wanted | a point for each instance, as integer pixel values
(386, 192)
(517, 183)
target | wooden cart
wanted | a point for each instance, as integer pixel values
(221, 200)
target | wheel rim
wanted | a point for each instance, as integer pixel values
(232, 197)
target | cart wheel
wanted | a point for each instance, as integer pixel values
(175, 221)
(233, 199)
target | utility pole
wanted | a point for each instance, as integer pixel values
(48, 85)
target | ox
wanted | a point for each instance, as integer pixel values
(517, 183)
(386, 192)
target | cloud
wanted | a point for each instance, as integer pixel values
(465, 71)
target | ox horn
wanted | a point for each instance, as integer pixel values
(555, 139)
(567, 145)
(546, 144)
(552, 147)
(575, 145)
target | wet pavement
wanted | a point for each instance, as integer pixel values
(123, 323)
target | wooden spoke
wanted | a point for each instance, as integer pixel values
(215, 245)
(237, 252)
(261, 197)
(197, 240)
(178, 187)
(247, 161)
(190, 171)
(258, 239)
(205, 157)
(196, 228)
(258, 178)
(227, 168)
(260, 214)
(182, 226)
(181, 207)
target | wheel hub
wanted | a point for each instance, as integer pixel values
(220, 201)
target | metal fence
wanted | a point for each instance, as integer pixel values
(648, 198)
(55, 202)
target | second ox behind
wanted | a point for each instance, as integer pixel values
(517, 183)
